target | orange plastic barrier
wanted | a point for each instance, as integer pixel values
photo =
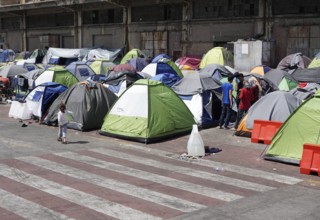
(310, 161)
(263, 131)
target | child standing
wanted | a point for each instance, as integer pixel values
(62, 122)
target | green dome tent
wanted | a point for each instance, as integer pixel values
(56, 74)
(315, 63)
(148, 111)
(303, 126)
(217, 55)
(134, 53)
(102, 67)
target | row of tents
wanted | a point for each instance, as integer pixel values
(159, 101)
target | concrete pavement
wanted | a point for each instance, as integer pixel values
(97, 177)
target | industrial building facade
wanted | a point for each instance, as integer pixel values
(174, 27)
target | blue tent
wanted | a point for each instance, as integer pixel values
(168, 79)
(159, 57)
(138, 63)
(202, 95)
(7, 56)
(80, 70)
(41, 97)
(162, 66)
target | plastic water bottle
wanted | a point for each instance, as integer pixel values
(195, 143)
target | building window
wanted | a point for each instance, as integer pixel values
(282, 7)
(12, 23)
(157, 13)
(224, 9)
(103, 16)
(50, 20)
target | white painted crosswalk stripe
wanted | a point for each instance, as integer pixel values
(227, 167)
(93, 202)
(139, 192)
(210, 192)
(187, 171)
(26, 208)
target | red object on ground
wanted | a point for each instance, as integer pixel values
(310, 160)
(302, 84)
(263, 131)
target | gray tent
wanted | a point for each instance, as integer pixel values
(306, 75)
(88, 102)
(275, 106)
(293, 61)
(215, 70)
(12, 70)
(275, 76)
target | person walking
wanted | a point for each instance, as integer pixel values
(62, 122)
(227, 89)
(246, 98)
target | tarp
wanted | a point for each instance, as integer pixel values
(89, 104)
(65, 53)
(148, 111)
(303, 126)
(102, 54)
(118, 82)
(275, 106)
(188, 63)
(123, 67)
(19, 110)
(305, 92)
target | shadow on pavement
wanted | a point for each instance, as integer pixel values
(78, 142)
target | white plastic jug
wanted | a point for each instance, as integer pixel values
(195, 143)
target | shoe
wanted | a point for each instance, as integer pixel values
(233, 129)
(59, 139)
(226, 128)
(64, 142)
(220, 127)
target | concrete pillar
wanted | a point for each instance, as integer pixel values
(127, 21)
(261, 22)
(78, 28)
(23, 31)
(186, 32)
(269, 22)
